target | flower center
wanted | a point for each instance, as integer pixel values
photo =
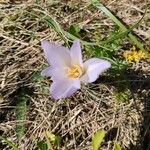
(75, 71)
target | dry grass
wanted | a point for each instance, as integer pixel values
(94, 106)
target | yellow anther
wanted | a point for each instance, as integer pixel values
(75, 71)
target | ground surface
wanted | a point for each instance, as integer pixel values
(95, 106)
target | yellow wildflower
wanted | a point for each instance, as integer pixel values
(134, 55)
(142, 54)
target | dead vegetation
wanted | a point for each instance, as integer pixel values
(95, 106)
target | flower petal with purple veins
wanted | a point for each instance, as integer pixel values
(76, 54)
(64, 88)
(46, 72)
(93, 68)
(56, 55)
(56, 73)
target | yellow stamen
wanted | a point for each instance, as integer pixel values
(75, 71)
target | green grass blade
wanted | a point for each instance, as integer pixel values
(119, 23)
(53, 23)
(11, 144)
(72, 37)
(66, 36)
(126, 32)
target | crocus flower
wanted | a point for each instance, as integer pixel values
(67, 69)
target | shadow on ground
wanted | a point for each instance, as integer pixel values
(139, 84)
(142, 88)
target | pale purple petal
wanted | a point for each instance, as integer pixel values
(64, 88)
(55, 54)
(46, 72)
(76, 54)
(93, 68)
(56, 73)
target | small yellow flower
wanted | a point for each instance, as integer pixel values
(134, 55)
(142, 54)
